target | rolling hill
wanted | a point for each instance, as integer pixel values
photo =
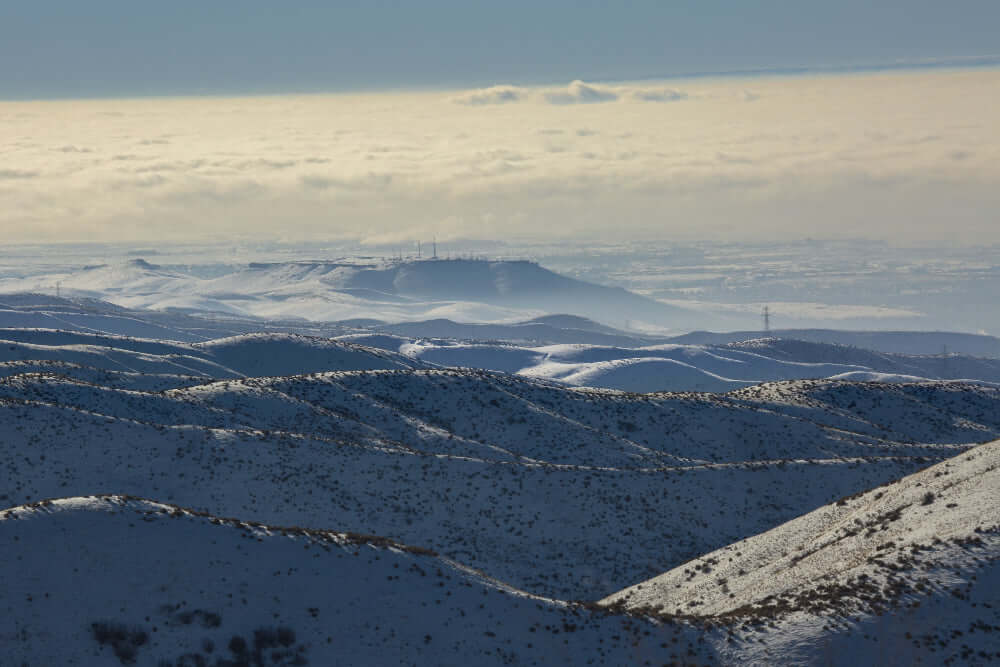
(516, 477)
(517, 496)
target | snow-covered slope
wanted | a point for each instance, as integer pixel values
(520, 478)
(112, 580)
(568, 493)
(909, 572)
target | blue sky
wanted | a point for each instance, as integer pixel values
(70, 48)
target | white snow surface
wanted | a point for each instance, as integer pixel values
(907, 572)
(674, 367)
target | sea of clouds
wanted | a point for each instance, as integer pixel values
(909, 155)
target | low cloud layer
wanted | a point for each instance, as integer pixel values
(577, 92)
(659, 95)
(901, 156)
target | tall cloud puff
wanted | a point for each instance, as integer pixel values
(579, 92)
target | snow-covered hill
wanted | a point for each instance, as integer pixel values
(691, 367)
(566, 348)
(111, 580)
(566, 493)
(906, 573)
(236, 356)
(517, 477)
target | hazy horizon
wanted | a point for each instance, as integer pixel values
(113, 48)
(881, 155)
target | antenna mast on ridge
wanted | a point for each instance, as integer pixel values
(766, 316)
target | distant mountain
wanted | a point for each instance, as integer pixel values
(360, 288)
(511, 284)
(574, 323)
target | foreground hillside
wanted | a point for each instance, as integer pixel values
(111, 580)
(522, 479)
(907, 572)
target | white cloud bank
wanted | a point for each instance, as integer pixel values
(902, 156)
(491, 95)
(577, 92)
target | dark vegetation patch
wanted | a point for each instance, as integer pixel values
(125, 641)
(267, 646)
